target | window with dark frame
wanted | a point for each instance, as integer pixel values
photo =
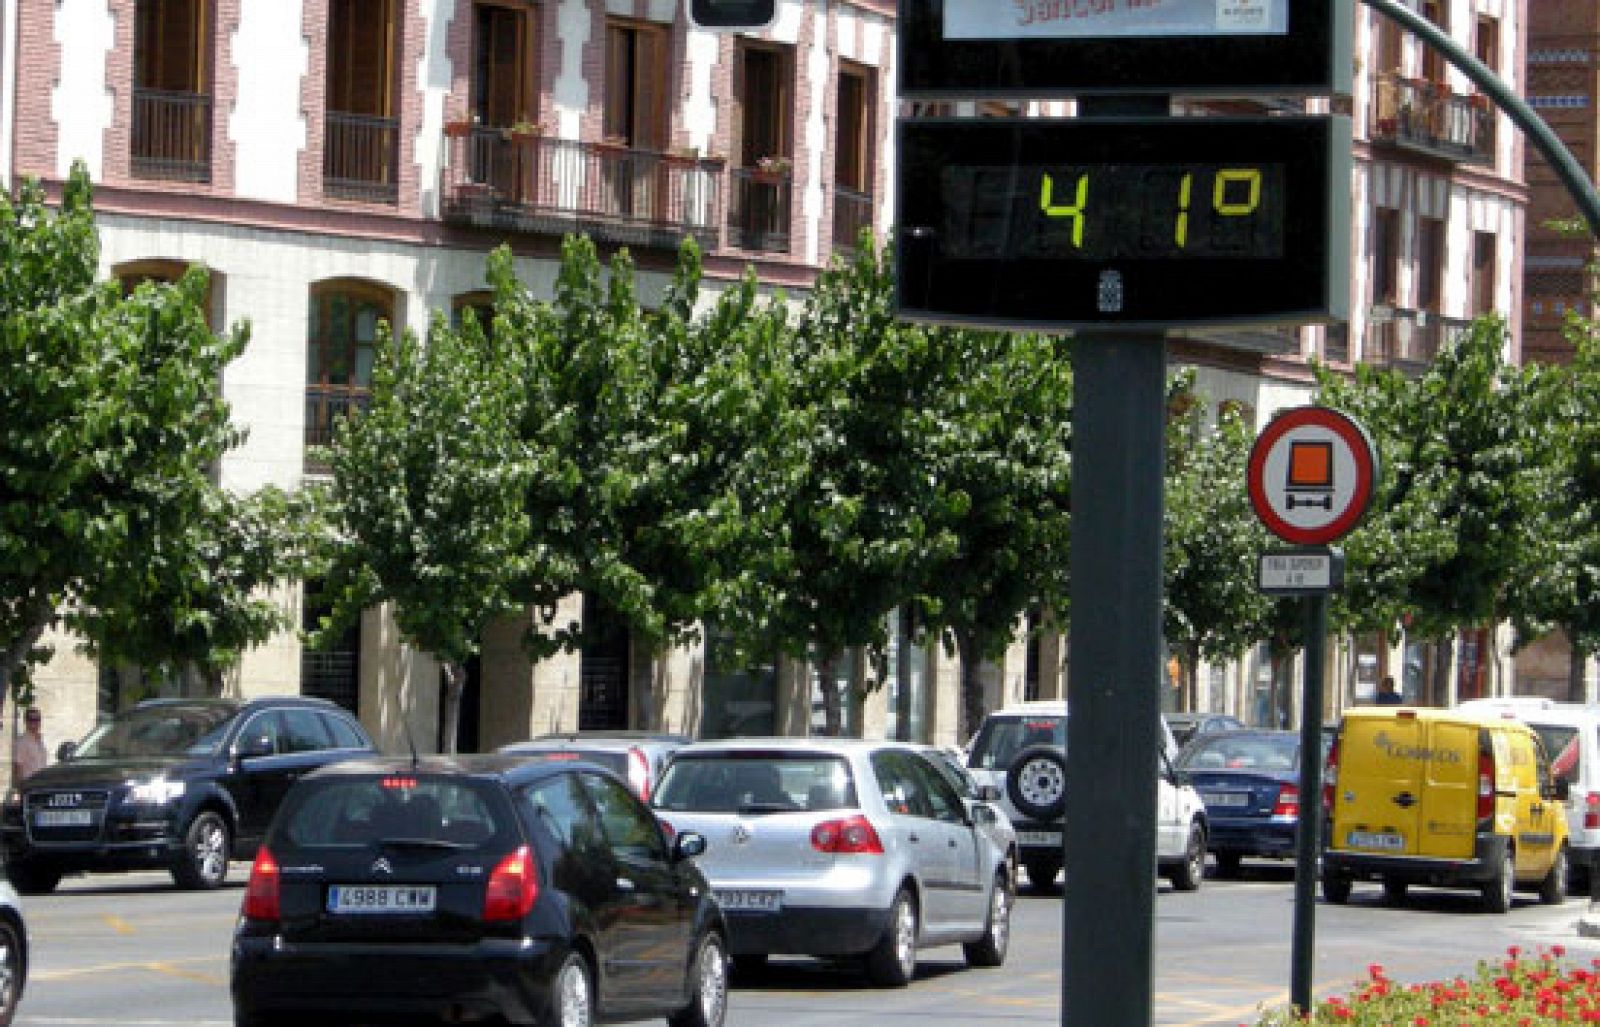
(853, 156)
(362, 146)
(503, 75)
(1386, 256)
(635, 113)
(1484, 246)
(172, 104)
(1430, 263)
(343, 331)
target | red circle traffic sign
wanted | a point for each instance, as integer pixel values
(1310, 475)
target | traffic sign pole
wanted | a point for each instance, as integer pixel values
(1308, 843)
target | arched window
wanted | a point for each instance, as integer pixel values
(342, 329)
(134, 273)
(480, 302)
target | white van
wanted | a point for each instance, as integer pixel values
(1571, 736)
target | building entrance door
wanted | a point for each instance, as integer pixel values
(603, 670)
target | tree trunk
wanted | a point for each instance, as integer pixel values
(832, 707)
(455, 682)
(973, 706)
(902, 678)
(1575, 667)
(1190, 669)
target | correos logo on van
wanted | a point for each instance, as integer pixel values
(1403, 751)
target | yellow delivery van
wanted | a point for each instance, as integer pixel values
(1446, 798)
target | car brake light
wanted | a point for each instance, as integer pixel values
(1591, 811)
(639, 773)
(261, 895)
(513, 886)
(1288, 804)
(1330, 777)
(850, 834)
(1485, 785)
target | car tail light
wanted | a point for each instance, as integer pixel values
(639, 773)
(1591, 811)
(513, 886)
(667, 828)
(1288, 804)
(1485, 785)
(1330, 777)
(849, 834)
(261, 895)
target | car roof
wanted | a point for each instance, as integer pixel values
(611, 736)
(479, 765)
(842, 746)
(1037, 707)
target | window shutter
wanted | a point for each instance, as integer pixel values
(650, 80)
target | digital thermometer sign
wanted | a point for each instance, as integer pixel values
(1124, 221)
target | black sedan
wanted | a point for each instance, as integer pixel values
(461, 889)
(1250, 782)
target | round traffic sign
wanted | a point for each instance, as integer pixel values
(1310, 475)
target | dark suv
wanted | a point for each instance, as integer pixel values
(177, 784)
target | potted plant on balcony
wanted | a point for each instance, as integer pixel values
(771, 169)
(521, 130)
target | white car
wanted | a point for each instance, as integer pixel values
(840, 848)
(1022, 751)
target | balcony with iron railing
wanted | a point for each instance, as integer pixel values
(759, 205)
(1408, 340)
(326, 406)
(525, 182)
(852, 212)
(1427, 118)
(362, 158)
(171, 138)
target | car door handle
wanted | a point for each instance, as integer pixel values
(913, 837)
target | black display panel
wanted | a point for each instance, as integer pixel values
(1040, 49)
(1123, 221)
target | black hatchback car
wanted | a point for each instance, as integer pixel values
(476, 887)
(177, 784)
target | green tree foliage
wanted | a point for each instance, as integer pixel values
(864, 514)
(1001, 457)
(111, 423)
(1213, 609)
(1558, 584)
(426, 509)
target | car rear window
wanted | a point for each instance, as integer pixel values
(757, 783)
(1562, 748)
(1003, 739)
(1241, 752)
(358, 811)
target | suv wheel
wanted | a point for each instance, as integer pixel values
(203, 863)
(1187, 875)
(33, 876)
(1037, 783)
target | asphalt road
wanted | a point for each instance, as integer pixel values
(128, 950)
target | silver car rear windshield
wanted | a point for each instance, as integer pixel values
(399, 810)
(1003, 739)
(757, 782)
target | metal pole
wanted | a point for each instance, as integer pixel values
(1307, 839)
(1109, 849)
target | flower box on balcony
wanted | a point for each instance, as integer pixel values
(774, 167)
(521, 130)
(457, 129)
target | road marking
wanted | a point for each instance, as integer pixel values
(164, 966)
(215, 980)
(116, 923)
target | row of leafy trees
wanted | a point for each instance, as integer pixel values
(791, 472)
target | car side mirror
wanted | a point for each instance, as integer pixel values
(1180, 778)
(65, 751)
(251, 748)
(989, 793)
(984, 814)
(688, 845)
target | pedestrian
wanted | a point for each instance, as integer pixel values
(1388, 695)
(29, 757)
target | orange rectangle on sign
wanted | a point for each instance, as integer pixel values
(1310, 465)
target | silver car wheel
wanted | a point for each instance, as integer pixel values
(572, 993)
(10, 971)
(905, 936)
(713, 981)
(1000, 918)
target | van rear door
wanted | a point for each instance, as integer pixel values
(1378, 798)
(1448, 825)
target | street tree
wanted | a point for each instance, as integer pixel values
(111, 417)
(1001, 460)
(863, 510)
(1213, 609)
(426, 506)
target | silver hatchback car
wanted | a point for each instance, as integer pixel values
(838, 848)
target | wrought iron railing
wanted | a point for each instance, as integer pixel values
(615, 193)
(326, 405)
(1408, 340)
(852, 212)
(171, 137)
(1428, 117)
(362, 158)
(759, 204)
